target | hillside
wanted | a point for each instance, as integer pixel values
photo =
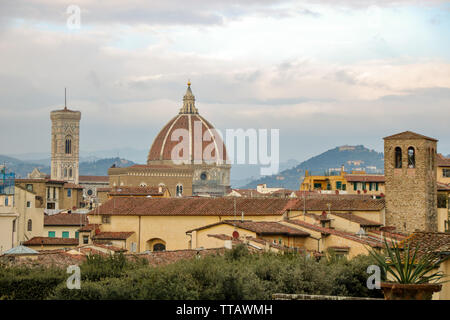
(95, 168)
(352, 157)
(100, 167)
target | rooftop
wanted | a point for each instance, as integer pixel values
(259, 227)
(340, 203)
(442, 161)
(141, 206)
(112, 235)
(366, 240)
(19, 250)
(408, 135)
(430, 242)
(51, 241)
(354, 218)
(65, 219)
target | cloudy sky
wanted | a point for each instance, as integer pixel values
(324, 72)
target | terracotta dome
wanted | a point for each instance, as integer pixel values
(194, 124)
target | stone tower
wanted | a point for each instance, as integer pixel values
(65, 144)
(411, 188)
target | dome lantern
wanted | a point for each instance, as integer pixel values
(188, 102)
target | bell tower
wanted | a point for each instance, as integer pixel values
(65, 144)
(411, 186)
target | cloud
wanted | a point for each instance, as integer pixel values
(252, 65)
(363, 4)
(135, 12)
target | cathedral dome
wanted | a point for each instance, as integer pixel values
(196, 141)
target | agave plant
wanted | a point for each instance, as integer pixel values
(408, 266)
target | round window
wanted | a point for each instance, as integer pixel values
(90, 192)
(203, 176)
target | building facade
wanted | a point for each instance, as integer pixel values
(90, 186)
(356, 182)
(53, 195)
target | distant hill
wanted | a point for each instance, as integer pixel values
(94, 168)
(22, 168)
(352, 157)
(242, 174)
(100, 167)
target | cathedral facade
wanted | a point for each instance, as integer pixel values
(187, 156)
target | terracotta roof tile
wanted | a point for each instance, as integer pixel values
(112, 235)
(340, 203)
(89, 227)
(442, 161)
(220, 236)
(162, 146)
(408, 135)
(259, 227)
(389, 234)
(51, 241)
(430, 242)
(354, 218)
(223, 206)
(443, 186)
(65, 219)
(373, 242)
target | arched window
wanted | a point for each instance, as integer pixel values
(398, 157)
(159, 247)
(179, 190)
(30, 225)
(65, 172)
(411, 157)
(68, 145)
(70, 172)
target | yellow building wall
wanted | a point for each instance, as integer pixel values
(440, 176)
(59, 230)
(342, 224)
(309, 182)
(443, 215)
(36, 215)
(356, 248)
(444, 294)
(73, 201)
(330, 241)
(381, 189)
(200, 238)
(170, 229)
(7, 237)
